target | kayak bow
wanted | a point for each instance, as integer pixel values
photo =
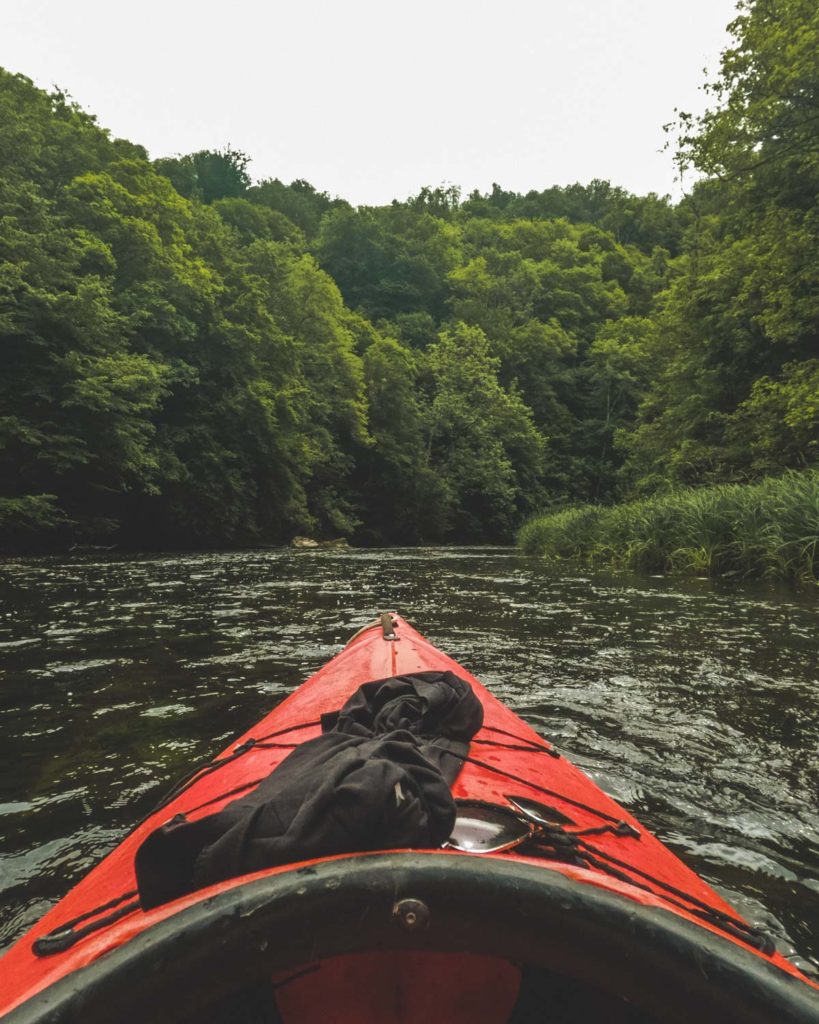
(549, 902)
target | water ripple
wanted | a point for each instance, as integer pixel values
(694, 704)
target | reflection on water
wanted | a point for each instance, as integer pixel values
(694, 704)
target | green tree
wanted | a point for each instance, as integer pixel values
(404, 499)
(208, 175)
(299, 201)
(482, 440)
(174, 373)
(777, 426)
(743, 309)
(389, 261)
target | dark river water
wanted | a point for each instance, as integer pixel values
(693, 704)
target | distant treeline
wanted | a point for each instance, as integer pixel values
(190, 358)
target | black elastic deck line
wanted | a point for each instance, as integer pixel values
(244, 785)
(289, 728)
(713, 912)
(541, 789)
(97, 910)
(213, 764)
(64, 937)
(527, 748)
(223, 796)
(531, 745)
(572, 847)
(197, 773)
(732, 926)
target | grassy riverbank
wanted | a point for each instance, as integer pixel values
(767, 529)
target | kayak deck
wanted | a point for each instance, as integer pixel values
(506, 758)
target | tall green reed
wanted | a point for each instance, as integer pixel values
(768, 529)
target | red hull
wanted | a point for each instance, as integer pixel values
(497, 748)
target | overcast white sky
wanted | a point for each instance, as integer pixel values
(372, 99)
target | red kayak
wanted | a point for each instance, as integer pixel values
(550, 902)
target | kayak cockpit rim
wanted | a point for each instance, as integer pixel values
(674, 970)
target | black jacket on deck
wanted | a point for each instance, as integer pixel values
(378, 777)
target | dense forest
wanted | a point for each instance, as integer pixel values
(191, 357)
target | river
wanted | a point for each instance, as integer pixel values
(692, 703)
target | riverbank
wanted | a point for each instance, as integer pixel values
(767, 530)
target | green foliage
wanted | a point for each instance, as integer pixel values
(742, 313)
(721, 380)
(172, 373)
(543, 292)
(207, 175)
(778, 425)
(646, 222)
(299, 202)
(483, 441)
(253, 221)
(768, 529)
(191, 358)
(761, 133)
(389, 261)
(22, 519)
(404, 499)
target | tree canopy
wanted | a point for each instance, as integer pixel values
(190, 357)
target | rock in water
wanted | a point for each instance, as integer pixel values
(303, 542)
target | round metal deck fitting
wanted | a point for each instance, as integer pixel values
(411, 914)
